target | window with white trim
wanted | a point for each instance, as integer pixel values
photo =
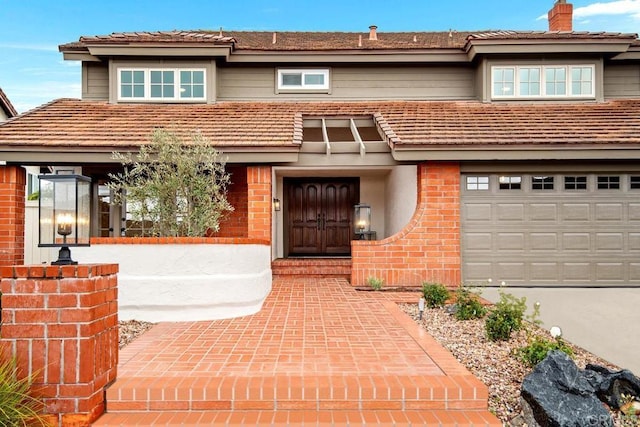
(545, 81)
(477, 183)
(305, 79)
(172, 84)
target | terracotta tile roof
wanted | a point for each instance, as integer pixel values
(75, 123)
(296, 41)
(6, 105)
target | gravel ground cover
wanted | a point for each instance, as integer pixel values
(132, 329)
(492, 362)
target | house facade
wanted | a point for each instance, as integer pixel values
(507, 155)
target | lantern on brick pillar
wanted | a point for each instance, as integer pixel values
(64, 211)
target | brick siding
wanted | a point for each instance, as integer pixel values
(259, 204)
(428, 248)
(12, 200)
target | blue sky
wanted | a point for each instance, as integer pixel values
(32, 71)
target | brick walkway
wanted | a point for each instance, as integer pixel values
(318, 353)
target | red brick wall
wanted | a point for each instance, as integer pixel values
(12, 199)
(235, 224)
(561, 17)
(259, 204)
(428, 248)
(61, 324)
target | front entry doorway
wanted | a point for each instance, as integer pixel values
(319, 215)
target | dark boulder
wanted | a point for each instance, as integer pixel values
(611, 385)
(558, 394)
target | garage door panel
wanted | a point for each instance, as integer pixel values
(576, 272)
(477, 212)
(544, 241)
(510, 211)
(609, 211)
(478, 241)
(610, 272)
(634, 211)
(511, 271)
(609, 242)
(568, 237)
(510, 242)
(547, 272)
(575, 212)
(576, 241)
(543, 212)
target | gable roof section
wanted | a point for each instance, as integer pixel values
(328, 41)
(74, 125)
(6, 105)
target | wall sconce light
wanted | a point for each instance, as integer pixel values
(361, 220)
(64, 210)
(276, 204)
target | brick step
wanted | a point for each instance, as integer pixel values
(306, 267)
(364, 392)
(295, 418)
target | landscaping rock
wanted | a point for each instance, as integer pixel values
(559, 394)
(611, 385)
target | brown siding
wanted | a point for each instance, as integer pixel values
(355, 83)
(621, 81)
(95, 86)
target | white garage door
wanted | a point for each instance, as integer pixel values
(552, 229)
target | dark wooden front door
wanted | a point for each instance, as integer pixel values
(319, 215)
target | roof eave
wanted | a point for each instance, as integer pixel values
(448, 55)
(546, 46)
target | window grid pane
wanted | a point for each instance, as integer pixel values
(529, 81)
(503, 82)
(575, 182)
(542, 183)
(556, 81)
(608, 182)
(581, 81)
(510, 182)
(192, 84)
(131, 84)
(477, 183)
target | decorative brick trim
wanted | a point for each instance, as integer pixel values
(259, 190)
(61, 324)
(428, 248)
(12, 200)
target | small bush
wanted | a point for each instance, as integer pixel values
(538, 347)
(375, 283)
(435, 294)
(506, 317)
(17, 406)
(468, 305)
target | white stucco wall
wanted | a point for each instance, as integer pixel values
(401, 197)
(185, 282)
(372, 193)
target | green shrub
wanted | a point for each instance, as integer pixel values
(375, 283)
(17, 406)
(435, 294)
(468, 305)
(538, 347)
(505, 317)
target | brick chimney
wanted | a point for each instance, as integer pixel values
(561, 16)
(372, 32)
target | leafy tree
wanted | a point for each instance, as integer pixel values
(179, 186)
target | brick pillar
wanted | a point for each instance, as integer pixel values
(428, 248)
(61, 324)
(259, 205)
(12, 199)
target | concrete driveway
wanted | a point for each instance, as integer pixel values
(605, 321)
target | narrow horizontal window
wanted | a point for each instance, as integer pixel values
(634, 182)
(477, 183)
(510, 182)
(575, 182)
(542, 183)
(608, 182)
(550, 81)
(161, 84)
(303, 79)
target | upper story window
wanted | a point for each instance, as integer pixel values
(161, 84)
(304, 80)
(546, 81)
